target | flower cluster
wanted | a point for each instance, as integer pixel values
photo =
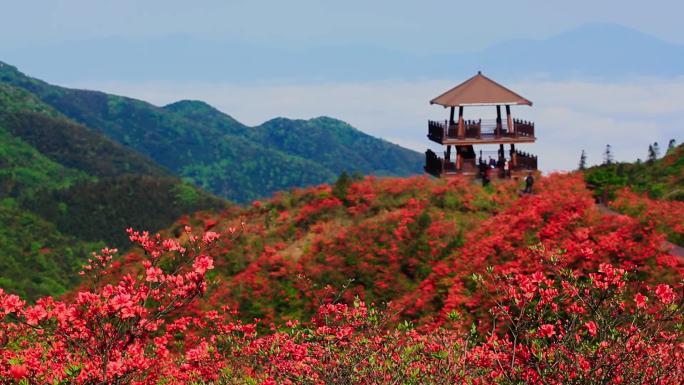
(572, 328)
(108, 332)
(665, 215)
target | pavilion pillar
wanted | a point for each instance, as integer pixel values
(459, 157)
(447, 156)
(498, 121)
(451, 117)
(509, 119)
(461, 129)
(514, 157)
(502, 153)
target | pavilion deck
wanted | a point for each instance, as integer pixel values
(481, 132)
(520, 163)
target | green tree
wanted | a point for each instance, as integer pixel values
(651, 154)
(671, 145)
(656, 150)
(583, 161)
(608, 155)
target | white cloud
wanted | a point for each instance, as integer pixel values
(569, 115)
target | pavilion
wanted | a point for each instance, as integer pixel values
(463, 134)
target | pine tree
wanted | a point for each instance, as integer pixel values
(656, 150)
(671, 145)
(583, 161)
(651, 154)
(608, 155)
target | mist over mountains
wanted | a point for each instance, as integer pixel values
(592, 51)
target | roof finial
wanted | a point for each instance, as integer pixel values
(479, 72)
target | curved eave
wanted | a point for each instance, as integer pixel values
(518, 103)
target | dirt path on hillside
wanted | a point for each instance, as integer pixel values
(675, 250)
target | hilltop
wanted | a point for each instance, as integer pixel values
(414, 242)
(661, 178)
(651, 191)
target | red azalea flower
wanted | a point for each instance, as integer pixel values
(19, 372)
(640, 300)
(591, 328)
(547, 330)
(665, 293)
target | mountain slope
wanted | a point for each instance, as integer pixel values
(337, 146)
(66, 190)
(80, 167)
(102, 210)
(23, 169)
(36, 259)
(216, 152)
(65, 142)
(661, 179)
(415, 242)
(652, 191)
(80, 179)
(593, 50)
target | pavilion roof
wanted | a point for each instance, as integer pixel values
(479, 91)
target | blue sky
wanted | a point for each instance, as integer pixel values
(249, 58)
(411, 26)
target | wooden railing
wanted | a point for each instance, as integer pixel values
(525, 161)
(479, 129)
(518, 161)
(436, 130)
(523, 127)
(473, 129)
(433, 165)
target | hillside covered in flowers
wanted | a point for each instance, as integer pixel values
(373, 281)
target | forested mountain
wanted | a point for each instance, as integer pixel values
(36, 259)
(102, 210)
(79, 167)
(214, 151)
(66, 190)
(76, 146)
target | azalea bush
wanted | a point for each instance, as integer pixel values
(108, 333)
(565, 327)
(562, 327)
(386, 235)
(253, 296)
(558, 327)
(666, 216)
(354, 345)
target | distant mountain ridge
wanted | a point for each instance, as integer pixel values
(595, 50)
(216, 152)
(79, 167)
